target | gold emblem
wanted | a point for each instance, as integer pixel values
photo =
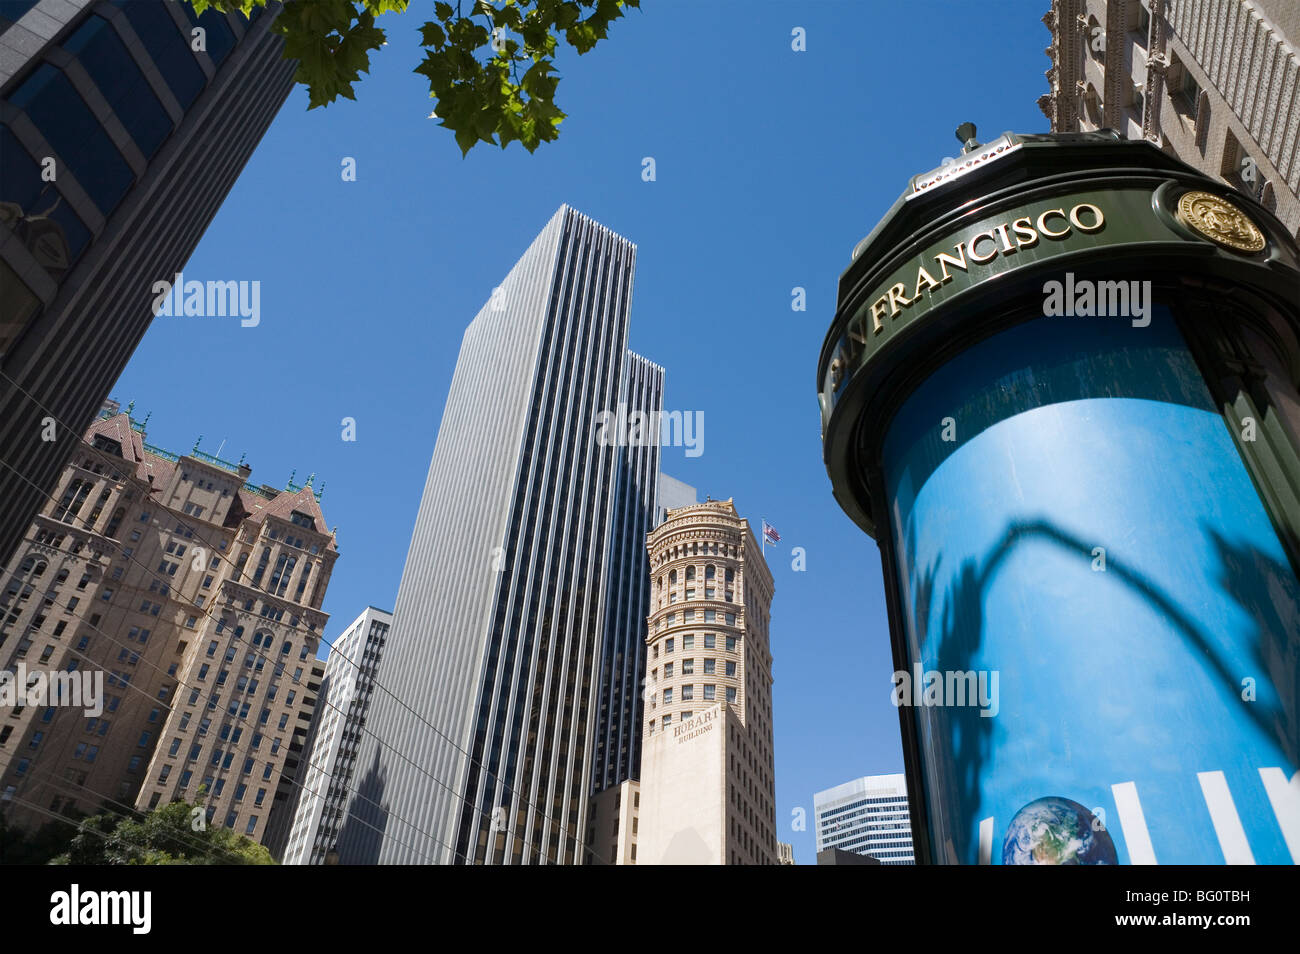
(1220, 221)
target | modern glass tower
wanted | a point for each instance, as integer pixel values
(480, 746)
(119, 140)
(618, 733)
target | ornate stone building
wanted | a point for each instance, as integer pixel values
(707, 788)
(1212, 82)
(197, 596)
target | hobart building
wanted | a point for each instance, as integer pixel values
(706, 792)
(196, 595)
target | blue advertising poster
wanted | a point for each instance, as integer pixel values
(1102, 624)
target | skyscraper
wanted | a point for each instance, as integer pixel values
(868, 816)
(123, 126)
(484, 751)
(336, 732)
(618, 729)
(707, 789)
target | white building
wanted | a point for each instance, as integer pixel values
(868, 816)
(332, 750)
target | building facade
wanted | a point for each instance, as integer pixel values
(622, 673)
(868, 816)
(501, 615)
(1211, 82)
(122, 130)
(331, 754)
(197, 597)
(707, 786)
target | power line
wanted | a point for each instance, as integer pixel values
(264, 657)
(104, 455)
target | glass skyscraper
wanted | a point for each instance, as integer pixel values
(525, 561)
(123, 126)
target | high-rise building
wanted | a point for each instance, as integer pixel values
(785, 852)
(482, 749)
(622, 674)
(331, 751)
(867, 816)
(707, 787)
(291, 791)
(123, 126)
(612, 817)
(197, 597)
(1212, 82)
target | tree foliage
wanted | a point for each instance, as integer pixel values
(490, 63)
(168, 835)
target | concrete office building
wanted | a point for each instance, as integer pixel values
(868, 816)
(118, 143)
(1215, 83)
(707, 788)
(502, 612)
(197, 595)
(331, 753)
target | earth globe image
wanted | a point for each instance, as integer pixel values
(1057, 831)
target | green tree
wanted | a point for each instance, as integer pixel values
(491, 68)
(175, 834)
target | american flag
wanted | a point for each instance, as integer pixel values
(769, 533)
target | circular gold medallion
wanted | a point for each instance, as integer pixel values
(1220, 221)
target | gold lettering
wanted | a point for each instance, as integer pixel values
(944, 260)
(898, 296)
(1006, 241)
(922, 276)
(878, 312)
(974, 241)
(1048, 232)
(1095, 227)
(1025, 234)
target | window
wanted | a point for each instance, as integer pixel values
(710, 691)
(668, 645)
(688, 642)
(168, 47)
(668, 670)
(731, 669)
(731, 693)
(731, 644)
(688, 692)
(688, 667)
(114, 71)
(710, 665)
(668, 700)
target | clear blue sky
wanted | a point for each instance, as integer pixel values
(771, 165)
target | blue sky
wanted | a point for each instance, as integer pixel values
(771, 164)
